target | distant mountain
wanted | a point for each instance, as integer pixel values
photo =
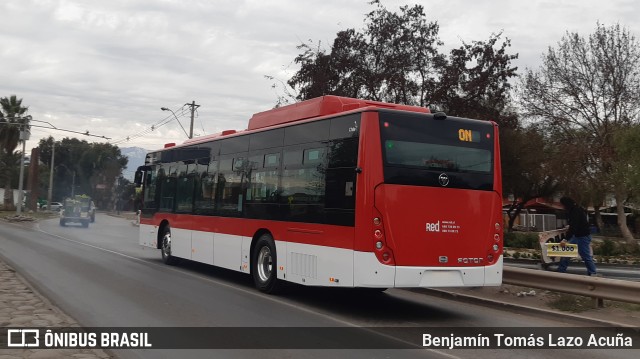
(136, 157)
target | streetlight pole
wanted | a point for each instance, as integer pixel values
(174, 115)
(24, 136)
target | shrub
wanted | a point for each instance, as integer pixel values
(607, 248)
(521, 240)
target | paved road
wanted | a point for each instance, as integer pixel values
(102, 278)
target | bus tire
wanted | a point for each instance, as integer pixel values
(165, 247)
(264, 264)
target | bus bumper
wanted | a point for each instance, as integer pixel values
(431, 277)
(369, 272)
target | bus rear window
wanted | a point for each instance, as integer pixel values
(437, 157)
(417, 149)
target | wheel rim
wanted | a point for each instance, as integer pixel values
(265, 264)
(166, 245)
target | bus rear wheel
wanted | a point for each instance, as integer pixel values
(264, 264)
(165, 247)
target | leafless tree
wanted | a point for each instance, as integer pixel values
(586, 90)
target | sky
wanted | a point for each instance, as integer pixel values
(107, 67)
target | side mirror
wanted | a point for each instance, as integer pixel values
(139, 177)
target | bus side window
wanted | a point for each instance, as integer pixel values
(307, 133)
(206, 188)
(184, 191)
(168, 187)
(262, 191)
(341, 182)
(230, 182)
(150, 186)
(303, 183)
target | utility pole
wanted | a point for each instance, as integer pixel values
(24, 136)
(193, 110)
(53, 156)
(33, 182)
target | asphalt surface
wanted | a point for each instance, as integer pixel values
(102, 278)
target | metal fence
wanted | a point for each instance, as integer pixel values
(595, 287)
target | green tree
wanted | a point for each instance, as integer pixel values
(474, 81)
(586, 90)
(396, 58)
(13, 118)
(83, 168)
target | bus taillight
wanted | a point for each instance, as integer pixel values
(382, 250)
(495, 249)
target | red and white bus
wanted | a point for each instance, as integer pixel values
(337, 192)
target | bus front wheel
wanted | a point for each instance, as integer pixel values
(165, 247)
(264, 264)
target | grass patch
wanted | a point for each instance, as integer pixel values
(571, 303)
(630, 307)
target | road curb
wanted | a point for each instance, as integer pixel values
(471, 299)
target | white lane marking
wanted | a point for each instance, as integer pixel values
(254, 293)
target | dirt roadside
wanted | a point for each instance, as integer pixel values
(543, 302)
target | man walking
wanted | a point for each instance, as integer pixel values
(578, 233)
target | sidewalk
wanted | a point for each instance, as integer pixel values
(22, 306)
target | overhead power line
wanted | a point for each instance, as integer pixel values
(52, 127)
(164, 121)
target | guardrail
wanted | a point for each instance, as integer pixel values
(595, 287)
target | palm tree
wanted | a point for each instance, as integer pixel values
(12, 120)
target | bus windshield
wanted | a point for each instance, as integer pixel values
(417, 149)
